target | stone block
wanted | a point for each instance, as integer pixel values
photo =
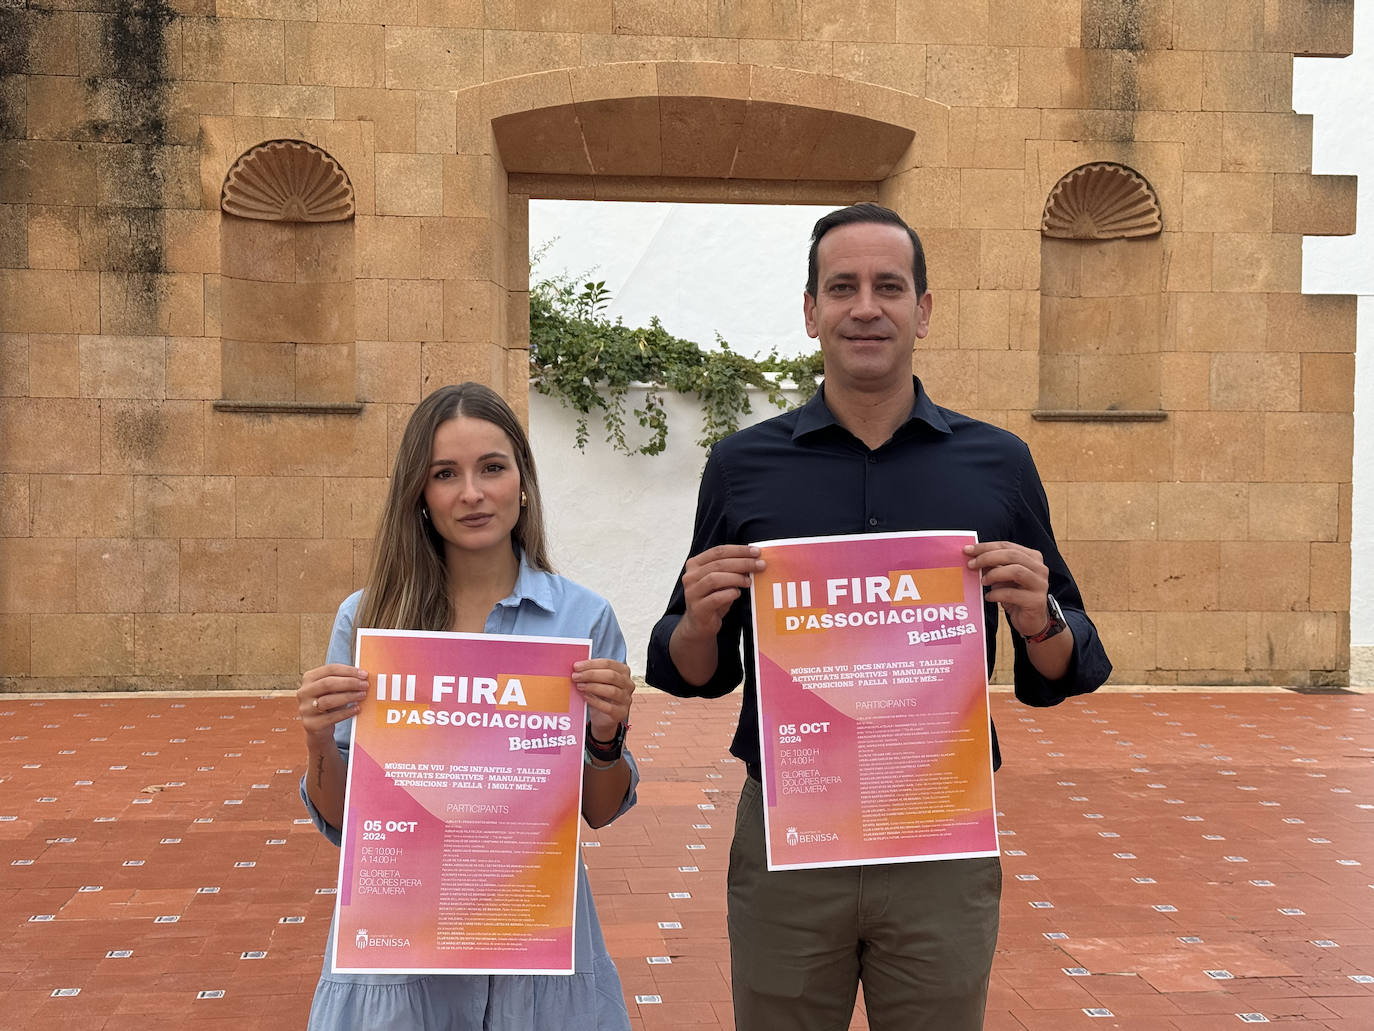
(971, 76)
(128, 367)
(1195, 641)
(192, 240)
(436, 125)
(415, 309)
(148, 304)
(52, 41)
(1175, 576)
(1187, 261)
(277, 506)
(1248, 81)
(1124, 269)
(1328, 382)
(233, 50)
(594, 16)
(1314, 205)
(151, 436)
(258, 370)
(392, 113)
(1310, 28)
(474, 186)
(297, 445)
(1010, 260)
(257, 250)
(146, 176)
(1294, 512)
(40, 574)
(1204, 511)
(106, 646)
(456, 361)
(992, 138)
(1100, 325)
(309, 312)
(266, 643)
(942, 21)
(899, 66)
(1223, 25)
(14, 505)
(1102, 571)
(388, 247)
(460, 248)
(525, 53)
(29, 426)
(315, 630)
(1247, 381)
(1311, 322)
(990, 198)
(1256, 142)
(14, 365)
(121, 574)
(53, 238)
(353, 507)
(1170, 80)
(14, 236)
(1296, 642)
(44, 301)
(174, 507)
(985, 319)
(228, 576)
(1227, 202)
(1330, 587)
(54, 367)
(326, 373)
(271, 100)
(60, 173)
(410, 184)
(474, 310)
(1257, 263)
(14, 645)
(192, 367)
(432, 58)
(1202, 322)
(370, 308)
(336, 54)
(1272, 576)
(1218, 446)
(864, 21)
(1118, 452)
(1131, 638)
(1007, 379)
(1110, 382)
(81, 505)
(362, 554)
(1308, 447)
(183, 643)
(313, 576)
(1111, 511)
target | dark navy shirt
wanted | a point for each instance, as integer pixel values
(801, 474)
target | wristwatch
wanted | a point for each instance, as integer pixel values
(1055, 624)
(606, 751)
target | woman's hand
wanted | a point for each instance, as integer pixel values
(328, 695)
(607, 687)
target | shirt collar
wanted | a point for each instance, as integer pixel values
(816, 415)
(532, 585)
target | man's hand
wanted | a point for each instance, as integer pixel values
(711, 582)
(1017, 579)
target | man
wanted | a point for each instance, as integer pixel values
(869, 453)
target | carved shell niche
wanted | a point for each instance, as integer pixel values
(288, 181)
(1102, 201)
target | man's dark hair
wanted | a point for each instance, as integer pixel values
(856, 214)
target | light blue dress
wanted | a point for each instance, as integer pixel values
(546, 605)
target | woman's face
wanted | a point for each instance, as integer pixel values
(472, 489)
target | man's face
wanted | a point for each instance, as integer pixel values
(866, 313)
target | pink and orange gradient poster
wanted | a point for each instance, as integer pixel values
(873, 700)
(460, 832)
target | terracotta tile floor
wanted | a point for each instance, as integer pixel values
(1173, 861)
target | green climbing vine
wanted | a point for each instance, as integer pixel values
(588, 362)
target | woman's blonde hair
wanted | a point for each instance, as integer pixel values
(407, 588)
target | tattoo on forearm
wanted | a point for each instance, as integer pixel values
(319, 771)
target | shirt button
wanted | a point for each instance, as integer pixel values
(872, 459)
(872, 521)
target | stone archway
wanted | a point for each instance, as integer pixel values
(658, 130)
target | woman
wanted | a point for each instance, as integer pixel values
(461, 547)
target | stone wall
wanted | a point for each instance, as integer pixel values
(189, 479)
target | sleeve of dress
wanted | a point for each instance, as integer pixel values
(340, 650)
(711, 528)
(1089, 666)
(609, 643)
